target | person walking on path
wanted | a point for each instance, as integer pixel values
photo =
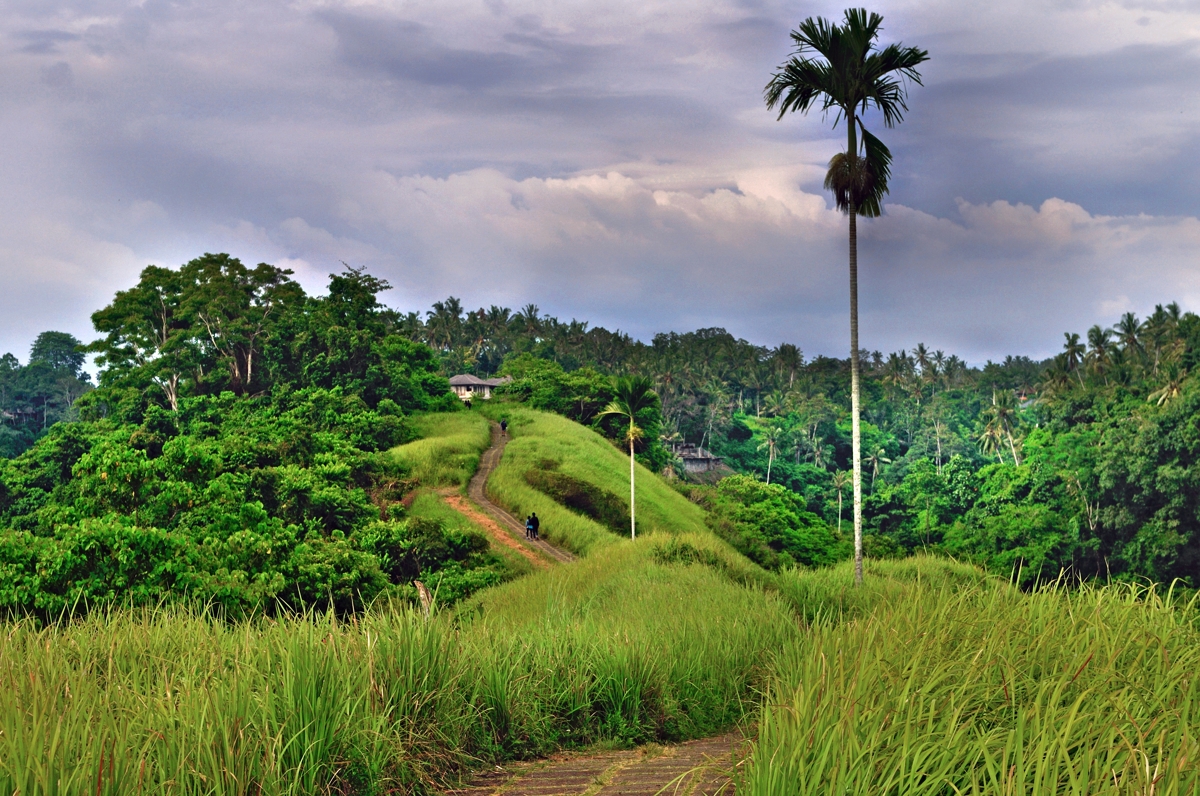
(529, 527)
(504, 427)
(535, 523)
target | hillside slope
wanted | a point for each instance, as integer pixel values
(542, 441)
(447, 449)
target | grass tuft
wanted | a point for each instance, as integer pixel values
(447, 450)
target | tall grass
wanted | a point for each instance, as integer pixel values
(618, 647)
(988, 691)
(538, 438)
(448, 449)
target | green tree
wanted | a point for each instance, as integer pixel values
(146, 336)
(770, 442)
(233, 310)
(634, 395)
(59, 350)
(841, 480)
(850, 76)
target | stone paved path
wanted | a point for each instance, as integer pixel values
(477, 490)
(696, 768)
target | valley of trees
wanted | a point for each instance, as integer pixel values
(235, 446)
(1085, 462)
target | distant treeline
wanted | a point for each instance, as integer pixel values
(1085, 462)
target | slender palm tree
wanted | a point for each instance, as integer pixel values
(841, 480)
(1099, 355)
(1003, 415)
(875, 459)
(770, 441)
(633, 396)
(848, 76)
(990, 440)
(1074, 351)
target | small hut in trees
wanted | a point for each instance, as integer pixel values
(469, 387)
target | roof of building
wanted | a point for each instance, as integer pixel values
(690, 451)
(467, 380)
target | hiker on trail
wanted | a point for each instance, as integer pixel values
(529, 527)
(503, 426)
(533, 521)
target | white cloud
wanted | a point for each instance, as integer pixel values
(611, 161)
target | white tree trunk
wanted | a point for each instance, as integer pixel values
(855, 429)
(632, 509)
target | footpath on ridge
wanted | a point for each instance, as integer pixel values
(696, 768)
(506, 528)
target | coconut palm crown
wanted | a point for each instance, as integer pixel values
(838, 68)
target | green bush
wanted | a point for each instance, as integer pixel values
(588, 499)
(767, 523)
(249, 503)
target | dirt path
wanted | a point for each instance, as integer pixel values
(476, 489)
(696, 768)
(469, 510)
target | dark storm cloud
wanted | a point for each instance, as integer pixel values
(41, 42)
(1113, 130)
(407, 51)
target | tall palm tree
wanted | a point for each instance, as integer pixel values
(789, 359)
(990, 440)
(1003, 415)
(1128, 332)
(849, 75)
(841, 480)
(771, 438)
(633, 396)
(1099, 354)
(875, 459)
(1074, 351)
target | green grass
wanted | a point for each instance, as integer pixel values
(448, 449)
(932, 680)
(617, 648)
(538, 437)
(976, 690)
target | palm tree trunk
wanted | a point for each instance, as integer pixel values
(855, 428)
(1013, 447)
(632, 509)
(770, 458)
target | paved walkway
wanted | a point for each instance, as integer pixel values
(478, 493)
(696, 768)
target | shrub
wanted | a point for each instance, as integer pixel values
(588, 499)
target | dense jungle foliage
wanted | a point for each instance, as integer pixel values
(1086, 462)
(235, 447)
(235, 452)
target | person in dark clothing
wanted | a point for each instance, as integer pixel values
(529, 527)
(533, 520)
(503, 426)
(467, 403)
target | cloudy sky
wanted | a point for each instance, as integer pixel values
(609, 160)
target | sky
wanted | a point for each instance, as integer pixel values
(611, 161)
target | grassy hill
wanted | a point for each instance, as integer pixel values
(541, 441)
(447, 449)
(930, 678)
